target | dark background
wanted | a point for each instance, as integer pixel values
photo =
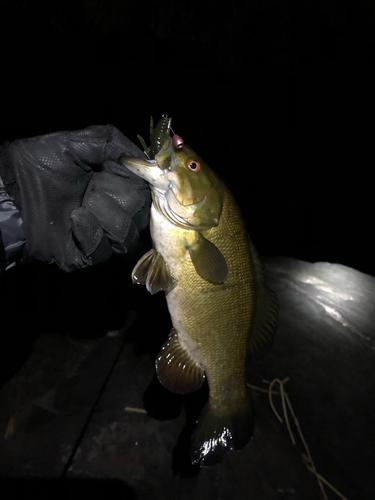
(278, 97)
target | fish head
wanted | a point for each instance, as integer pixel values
(185, 190)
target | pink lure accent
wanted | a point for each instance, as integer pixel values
(178, 141)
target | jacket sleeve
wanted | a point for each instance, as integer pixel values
(2, 256)
(12, 238)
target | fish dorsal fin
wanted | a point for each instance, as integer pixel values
(152, 271)
(258, 264)
(208, 261)
(176, 369)
(266, 311)
(265, 322)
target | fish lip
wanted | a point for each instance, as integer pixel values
(141, 161)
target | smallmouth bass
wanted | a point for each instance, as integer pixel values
(203, 259)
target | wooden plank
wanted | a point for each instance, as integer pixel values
(43, 409)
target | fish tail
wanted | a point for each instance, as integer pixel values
(218, 431)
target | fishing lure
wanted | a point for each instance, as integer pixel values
(158, 135)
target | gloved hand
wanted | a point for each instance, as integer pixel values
(77, 203)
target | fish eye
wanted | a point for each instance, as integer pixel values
(194, 165)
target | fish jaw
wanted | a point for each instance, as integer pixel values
(148, 170)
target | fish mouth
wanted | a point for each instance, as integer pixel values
(149, 170)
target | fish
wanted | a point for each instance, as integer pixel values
(221, 311)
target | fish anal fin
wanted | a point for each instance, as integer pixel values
(220, 430)
(176, 369)
(265, 323)
(152, 271)
(208, 261)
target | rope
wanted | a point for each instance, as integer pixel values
(287, 407)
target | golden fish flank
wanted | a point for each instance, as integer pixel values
(204, 261)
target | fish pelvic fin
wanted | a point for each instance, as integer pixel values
(151, 270)
(220, 430)
(176, 369)
(208, 261)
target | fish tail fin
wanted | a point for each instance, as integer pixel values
(217, 431)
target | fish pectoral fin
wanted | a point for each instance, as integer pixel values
(208, 261)
(152, 271)
(265, 322)
(176, 369)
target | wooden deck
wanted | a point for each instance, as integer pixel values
(87, 416)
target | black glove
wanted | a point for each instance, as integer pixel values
(77, 203)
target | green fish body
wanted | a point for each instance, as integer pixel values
(203, 259)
